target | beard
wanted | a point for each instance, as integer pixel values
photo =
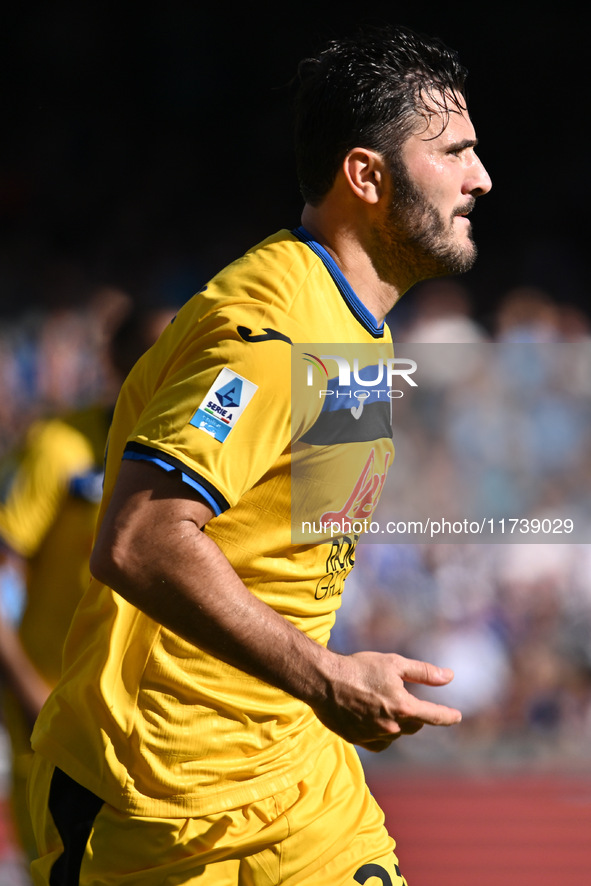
(415, 241)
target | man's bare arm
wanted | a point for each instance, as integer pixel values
(151, 551)
(17, 670)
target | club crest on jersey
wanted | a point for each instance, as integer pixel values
(223, 404)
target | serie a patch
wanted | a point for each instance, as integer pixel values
(223, 404)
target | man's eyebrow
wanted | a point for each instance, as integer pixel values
(462, 145)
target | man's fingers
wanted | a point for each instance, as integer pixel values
(414, 671)
(418, 714)
(420, 711)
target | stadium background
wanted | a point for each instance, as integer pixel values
(147, 144)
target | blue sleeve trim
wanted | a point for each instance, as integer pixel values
(214, 498)
(352, 300)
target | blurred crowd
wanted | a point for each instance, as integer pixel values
(55, 362)
(500, 426)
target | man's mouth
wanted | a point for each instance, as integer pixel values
(463, 211)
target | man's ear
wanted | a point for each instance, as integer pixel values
(365, 174)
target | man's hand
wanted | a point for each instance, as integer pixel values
(370, 706)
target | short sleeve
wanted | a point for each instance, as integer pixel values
(221, 410)
(53, 452)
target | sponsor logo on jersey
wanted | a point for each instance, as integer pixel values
(362, 500)
(268, 334)
(223, 404)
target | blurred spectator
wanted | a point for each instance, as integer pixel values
(442, 313)
(52, 488)
(527, 314)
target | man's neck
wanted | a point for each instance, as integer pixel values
(354, 261)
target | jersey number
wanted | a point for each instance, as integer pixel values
(373, 870)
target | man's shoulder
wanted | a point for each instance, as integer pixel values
(261, 287)
(280, 244)
(60, 437)
(273, 261)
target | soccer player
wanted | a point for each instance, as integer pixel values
(202, 732)
(48, 511)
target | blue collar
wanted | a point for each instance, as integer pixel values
(353, 302)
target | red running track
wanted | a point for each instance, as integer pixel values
(457, 830)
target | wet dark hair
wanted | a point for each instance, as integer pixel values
(367, 91)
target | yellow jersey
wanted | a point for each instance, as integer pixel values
(142, 718)
(48, 512)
